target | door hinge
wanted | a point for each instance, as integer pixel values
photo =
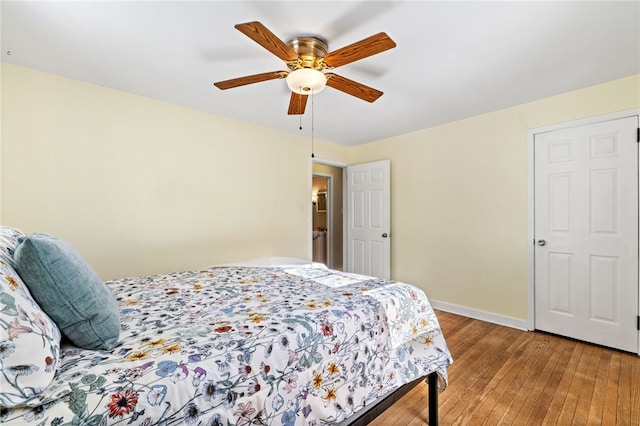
(638, 135)
(638, 322)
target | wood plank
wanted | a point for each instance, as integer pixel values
(507, 380)
(634, 387)
(481, 378)
(610, 414)
(562, 351)
(585, 387)
(625, 392)
(559, 403)
(521, 392)
(596, 406)
(533, 408)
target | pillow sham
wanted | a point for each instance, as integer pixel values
(29, 344)
(8, 242)
(69, 290)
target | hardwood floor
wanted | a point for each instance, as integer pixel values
(503, 376)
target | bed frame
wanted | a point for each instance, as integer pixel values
(364, 418)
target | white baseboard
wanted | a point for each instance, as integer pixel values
(480, 315)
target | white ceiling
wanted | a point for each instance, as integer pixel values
(453, 59)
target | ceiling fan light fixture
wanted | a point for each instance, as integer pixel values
(306, 81)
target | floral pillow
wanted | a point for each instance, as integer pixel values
(29, 342)
(8, 242)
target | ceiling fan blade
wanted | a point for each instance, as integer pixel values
(250, 79)
(265, 38)
(352, 88)
(297, 103)
(369, 46)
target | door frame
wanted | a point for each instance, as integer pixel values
(343, 166)
(531, 199)
(328, 235)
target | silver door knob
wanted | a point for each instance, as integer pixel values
(541, 242)
(385, 235)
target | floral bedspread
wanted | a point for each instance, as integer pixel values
(246, 345)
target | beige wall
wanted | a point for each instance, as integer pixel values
(459, 198)
(140, 186)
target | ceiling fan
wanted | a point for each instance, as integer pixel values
(308, 61)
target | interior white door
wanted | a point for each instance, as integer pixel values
(586, 232)
(368, 219)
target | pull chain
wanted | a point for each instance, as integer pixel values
(312, 123)
(312, 127)
(299, 108)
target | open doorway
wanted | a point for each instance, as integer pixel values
(327, 227)
(320, 222)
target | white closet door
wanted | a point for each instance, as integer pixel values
(586, 233)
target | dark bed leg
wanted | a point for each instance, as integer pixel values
(433, 399)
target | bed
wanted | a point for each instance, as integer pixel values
(242, 344)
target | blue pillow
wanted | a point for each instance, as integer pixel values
(68, 290)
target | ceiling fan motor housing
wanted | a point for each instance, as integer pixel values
(310, 51)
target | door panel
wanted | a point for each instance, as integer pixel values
(603, 202)
(604, 288)
(560, 279)
(586, 212)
